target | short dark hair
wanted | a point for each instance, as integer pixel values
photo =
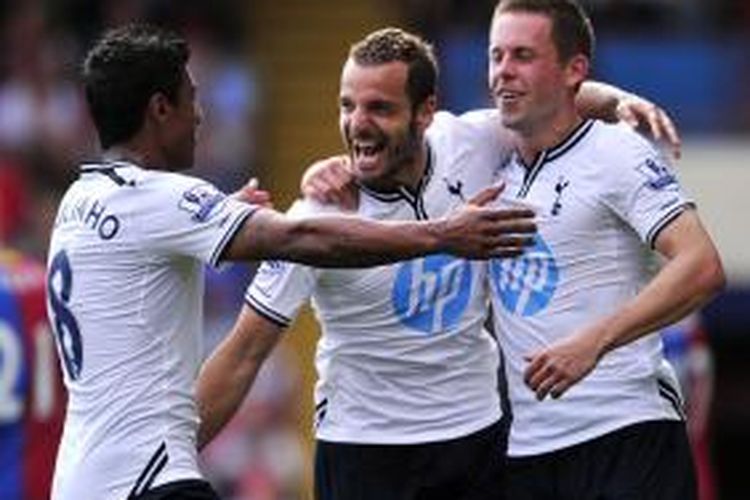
(123, 70)
(393, 44)
(572, 31)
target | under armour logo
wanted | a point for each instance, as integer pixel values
(562, 183)
(455, 189)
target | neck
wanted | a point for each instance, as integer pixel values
(124, 153)
(414, 171)
(138, 150)
(547, 135)
(408, 175)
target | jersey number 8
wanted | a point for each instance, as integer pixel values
(63, 321)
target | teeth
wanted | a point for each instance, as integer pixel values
(365, 149)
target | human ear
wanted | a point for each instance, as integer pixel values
(159, 107)
(577, 70)
(426, 111)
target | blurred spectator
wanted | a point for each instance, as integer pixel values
(686, 347)
(43, 112)
(32, 398)
(229, 96)
(14, 203)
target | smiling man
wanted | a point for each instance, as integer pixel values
(407, 405)
(579, 313)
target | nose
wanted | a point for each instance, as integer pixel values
(505, 66)
(501, 70)
(357, 120)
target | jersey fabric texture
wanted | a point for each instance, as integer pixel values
(32, 398)
(601, 198)
(403, 358)
(125, 283)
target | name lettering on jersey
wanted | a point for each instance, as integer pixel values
(430, 295)
(658, 175)
(90, 213)
(562, 183)
(200, 201)
(455, 189)
(526, 284)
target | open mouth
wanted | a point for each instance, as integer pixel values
(510, 96)
(367, 151)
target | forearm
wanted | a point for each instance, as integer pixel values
(599, 100)
(685, 284)
(691, 276)
(219, 397)
(229, 373)
(475, 231)
(335, 241)
(353, 242)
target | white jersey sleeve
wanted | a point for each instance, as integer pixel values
(280, 288)
(189, 216)
(487, 128)
(644, 191)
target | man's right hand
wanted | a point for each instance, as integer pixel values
(330, 181)
(478, 231)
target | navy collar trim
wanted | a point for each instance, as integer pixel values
(414, 197)
(551, 154)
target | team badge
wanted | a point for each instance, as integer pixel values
(455, 189)
(562, 183)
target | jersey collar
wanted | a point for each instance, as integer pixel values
(403, 192)
(551, 154)
(108, 168)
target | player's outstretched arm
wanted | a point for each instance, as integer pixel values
(228, 374)
(609, 103)
(692, 275)
(475, 231)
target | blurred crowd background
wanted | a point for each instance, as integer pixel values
(267, 74)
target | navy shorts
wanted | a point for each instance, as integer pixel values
(645, 461)
(467, 468)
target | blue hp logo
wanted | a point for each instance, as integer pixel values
(431, 294)
(526, 284)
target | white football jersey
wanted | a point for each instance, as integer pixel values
(601, 197)
(125, 283)
(403, 357)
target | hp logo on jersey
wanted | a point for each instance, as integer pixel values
(526, 284)
(430, 295)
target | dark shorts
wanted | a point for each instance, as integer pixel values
(645, 461)
(188, 489)
(467, 468)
